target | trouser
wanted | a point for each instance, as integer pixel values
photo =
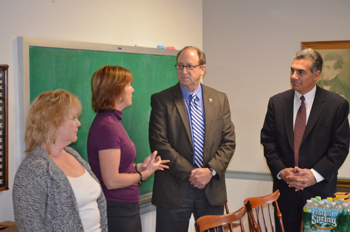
(177, 220)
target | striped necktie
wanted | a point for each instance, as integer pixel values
(299, 129)
(197, 130)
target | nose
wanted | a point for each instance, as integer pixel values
(132, 89)
(184, 70)
(78, 123)
(293, 74)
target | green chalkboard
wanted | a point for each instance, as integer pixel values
(72, 69)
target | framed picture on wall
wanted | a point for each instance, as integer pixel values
(3, 128)
(335, 75)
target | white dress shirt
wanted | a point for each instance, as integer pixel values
(309, 100)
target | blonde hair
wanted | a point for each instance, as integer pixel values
(107, 85)
(46, 114)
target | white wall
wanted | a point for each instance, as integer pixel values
(250, 46)
(150, 23)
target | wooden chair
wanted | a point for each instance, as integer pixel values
(230, 225)
(258, 221)
(216, 222)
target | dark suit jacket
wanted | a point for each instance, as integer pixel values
(170, 135)
(325, 143)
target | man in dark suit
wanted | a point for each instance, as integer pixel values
(193, 184)
(308, 168)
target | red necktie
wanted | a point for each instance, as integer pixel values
(299, 129)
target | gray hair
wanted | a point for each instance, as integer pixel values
(310, 54)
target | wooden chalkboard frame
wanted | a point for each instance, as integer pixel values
(25, 43)
(4, 127)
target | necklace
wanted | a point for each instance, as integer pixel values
(121, 125)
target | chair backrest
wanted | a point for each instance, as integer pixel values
(259, 208)
(216, 222)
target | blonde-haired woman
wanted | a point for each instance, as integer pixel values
(112, 153)
(54, 188)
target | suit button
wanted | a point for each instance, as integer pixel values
(191, 154)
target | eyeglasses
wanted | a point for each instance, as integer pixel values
(188, 67)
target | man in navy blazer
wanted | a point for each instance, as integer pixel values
(324, 145)
(185, 188)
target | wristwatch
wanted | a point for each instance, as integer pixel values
(212, 170)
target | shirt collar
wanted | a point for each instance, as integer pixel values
(309, 96)
(186, 93)
(116, 113)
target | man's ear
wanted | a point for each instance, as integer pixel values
(317, 75)
(204, 68)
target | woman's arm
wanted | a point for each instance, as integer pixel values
(109, 166)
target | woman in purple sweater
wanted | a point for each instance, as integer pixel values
(112, 153)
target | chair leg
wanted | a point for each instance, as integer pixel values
(227, 212)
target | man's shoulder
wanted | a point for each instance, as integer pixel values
(330, 96)
(282, 95)
(207, 89)
(167, 91)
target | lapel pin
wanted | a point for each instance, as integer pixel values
(210, 100)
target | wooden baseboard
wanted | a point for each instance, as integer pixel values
(343, 185)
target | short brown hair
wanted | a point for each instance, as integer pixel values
(201, 56)
(107, 84)
(46, 114)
